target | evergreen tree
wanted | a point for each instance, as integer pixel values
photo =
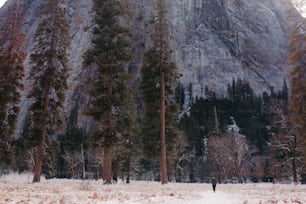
(190, 93)
(180, 95)
(284, 93)
(48, 77)
(150, 97)
(127, 150)
(158, 75)
(74, 136)
(297, 104)
(211, 116)
(11, 74)
(110, 54)
(72, 144)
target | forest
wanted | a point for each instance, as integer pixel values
(142, 130)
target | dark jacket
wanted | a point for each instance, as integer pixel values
(213, 181)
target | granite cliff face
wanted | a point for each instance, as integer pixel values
(214, 41)
(221, 40)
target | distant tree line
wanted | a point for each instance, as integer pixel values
(215, 125)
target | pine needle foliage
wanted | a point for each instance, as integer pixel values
(11, 75)
(109, 90)
(158, 77)
(48, 75)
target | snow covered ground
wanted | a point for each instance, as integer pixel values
(19, 189)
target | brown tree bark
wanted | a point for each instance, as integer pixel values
(107, 164)
(294, 161)
(163, 156)
(38, 161)
(40, 146)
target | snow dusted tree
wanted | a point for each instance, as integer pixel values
(96, 160)
(128, 148)
(29, 158)
(182, 158)
(11, 74)
(240, 155)
(158, 75)
(284, 145)
(229, 153)
(48, 77)
(110, 56)
(75, 162)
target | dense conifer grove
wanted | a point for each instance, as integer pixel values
(147, 128)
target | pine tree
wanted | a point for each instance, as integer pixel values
(284, 93)
(158, 75)
(110, 56)
(48, 76)
(180, 95)
(150, 96)
(297, 103)
(127, 148)
(11, 74)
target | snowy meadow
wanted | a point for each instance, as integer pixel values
(16, 188)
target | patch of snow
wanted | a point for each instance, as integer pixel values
(233, 127)
(2, 2)
(19, 189)
(300, 5)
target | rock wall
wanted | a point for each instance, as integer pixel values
(214, 41)
(225, 39)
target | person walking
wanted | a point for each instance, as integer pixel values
(214, 183)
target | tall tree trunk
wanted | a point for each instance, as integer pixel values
(38, 160)
(216, 121)
(163, 160)
(129, 162)
(238, 172)
(294, 170)
(41, 145)
(107, 164)
(83, 161)
(294, 166)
